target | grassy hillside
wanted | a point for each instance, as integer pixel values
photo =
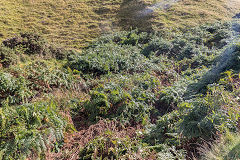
(195, 12)
(127, 95)
(74, 23)
(165, 91)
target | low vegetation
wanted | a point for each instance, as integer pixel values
(165, 88)
(228, 148)
(128, 95)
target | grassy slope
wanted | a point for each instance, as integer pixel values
(227, 149)
(10, 17)
(74, 23)
(192, 12)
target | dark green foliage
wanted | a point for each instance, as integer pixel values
(44, 76)
(109, 57)
(228, 60)
(131, 77)
(112, 145)
(59, 53)
(217, 34)
(34, 44)
(166, 152)
(179, 48)
(28, 130)
(209, 116)
(166, 130)
(158, 46)
(127, 106)
(134, 38)
(128, 99)
(202, 118)
(192, 43)
(22, 84)
(13, 90)
(170, 97)
(233, 63)
(197, 123)
(117, 53)
(7, 56)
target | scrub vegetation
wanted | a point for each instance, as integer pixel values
(170, 92)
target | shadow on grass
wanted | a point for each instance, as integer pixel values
(130, 16)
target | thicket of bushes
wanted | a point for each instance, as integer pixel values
(138, 79)
(27, 131)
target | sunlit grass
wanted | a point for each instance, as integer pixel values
(75, 23)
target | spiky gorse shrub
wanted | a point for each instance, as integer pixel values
(197, 117)
(166, 130)
(28, 130)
